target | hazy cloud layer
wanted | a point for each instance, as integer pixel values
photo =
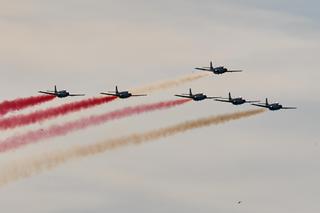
(270, 162)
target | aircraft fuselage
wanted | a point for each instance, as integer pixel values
(215, 70)
(219, 70)
(199, 97)
(274, 107)
(62, 94)
(238, 101)
(124, 94)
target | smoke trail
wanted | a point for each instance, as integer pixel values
(22, 103)
(28, 167)
(170, 83)
(60, 130)
(40, 115)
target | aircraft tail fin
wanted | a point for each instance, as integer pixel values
(211, 66)
(230, 96)
(55, 89)
(117, 91)
(267, 103)
(190, 92)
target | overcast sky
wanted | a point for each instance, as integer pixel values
(270, 162)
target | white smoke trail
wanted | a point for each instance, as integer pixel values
(161, 85)
(31, 166)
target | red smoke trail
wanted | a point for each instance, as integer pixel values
(22, 103)
(60, 130)
(40, 115)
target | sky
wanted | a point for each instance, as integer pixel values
(270, 162)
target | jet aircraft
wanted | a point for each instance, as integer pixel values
(273, 106)
(60, 93)
(121, 94)
(216, 70)
(195, 97)
(235, 101)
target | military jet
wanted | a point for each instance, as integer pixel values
(235, 101)
(216, 70)
(60, 93)
(121, 94)
(273, 106)
(195, 97)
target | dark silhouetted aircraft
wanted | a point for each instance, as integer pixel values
(195, 97)
(235, 101)
(273, 106)
(216, 70)
(60, 93)
(121, 94)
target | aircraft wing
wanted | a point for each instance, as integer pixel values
(139, 95)
(48, 93)
(104, 93)
(183, 96)
(234, 70)
(260, 105)
(221, 100)
(289, 107)
(252, 102)
(203, 68)
(76, 94)
(212, 97)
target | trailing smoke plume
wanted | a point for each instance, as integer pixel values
(63, 129)
(22, 103)
(28, 167)
(53, 112)
(170, 83)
